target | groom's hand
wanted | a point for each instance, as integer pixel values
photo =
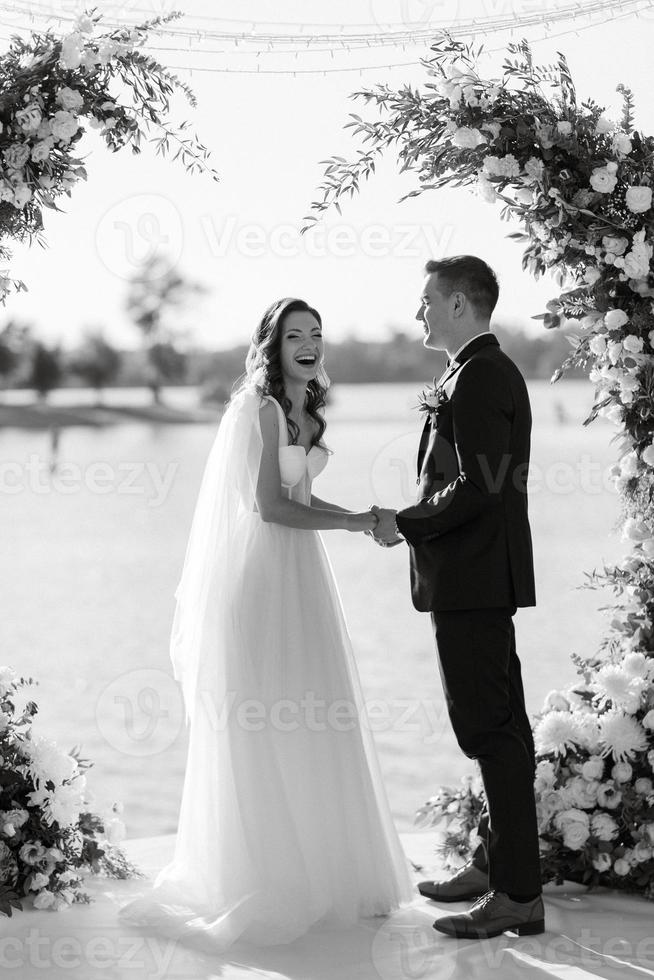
(385, 533)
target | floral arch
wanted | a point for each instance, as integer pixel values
(51, 86)
(581, 186)
(49, 838)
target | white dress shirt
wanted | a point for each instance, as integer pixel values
(469, 341)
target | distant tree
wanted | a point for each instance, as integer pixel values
(14, 337)
(167, 364)
(45, 369)
(154, 293)
(96, 361)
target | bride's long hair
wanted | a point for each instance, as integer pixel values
(263, 369)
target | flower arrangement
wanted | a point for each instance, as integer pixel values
(50, 88)
(49, 840)
(456, 813)
(581, 186)
(431, 400)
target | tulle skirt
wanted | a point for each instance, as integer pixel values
(284, 823)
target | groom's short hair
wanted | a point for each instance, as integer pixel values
(471, 276)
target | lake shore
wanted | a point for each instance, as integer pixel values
(44, 415)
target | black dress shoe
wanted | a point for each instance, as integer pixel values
(468, 883)
(494, 914)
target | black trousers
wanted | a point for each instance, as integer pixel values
(482, 683)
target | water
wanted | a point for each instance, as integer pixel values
(91, 560)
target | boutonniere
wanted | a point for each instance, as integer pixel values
(431, 400)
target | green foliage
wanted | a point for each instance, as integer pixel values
(581, 188)
(87, 67)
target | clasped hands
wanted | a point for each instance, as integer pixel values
(385, 534)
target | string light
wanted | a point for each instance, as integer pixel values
(356, 38)
(361, 68)
(308, 45)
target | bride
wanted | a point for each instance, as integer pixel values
(284, 823)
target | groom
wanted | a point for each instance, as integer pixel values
(471, 566)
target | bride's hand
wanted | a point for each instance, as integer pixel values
(365, 521)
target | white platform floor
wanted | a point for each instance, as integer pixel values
(597, 935)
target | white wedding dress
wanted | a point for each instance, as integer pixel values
(284, 823)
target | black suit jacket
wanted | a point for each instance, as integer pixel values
(469, 537)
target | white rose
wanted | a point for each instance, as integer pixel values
(636, 262)
(622, 772)
(22, 194)
(602, 862)
(534, 168)
(29, 118)
(593, 768)
(630, 464)
(615, 244)
(84, 24)
(603, 125)
(546, 774)
(622, 144)
(603, 826)
(614, 350)
(485, 189)
(642, 852)
(614, 319)
(635, 664)
(523, 195)
(506, 166)
(633, 344)
(644, 785)
(467, 138)
(71, 51)
(32, 852)
(39, 881)
(603, 180)
(16, 156)
(597, 345)
(574, 826)
(613, 413)
(89, 59)
(18, 816)
(44, 899)
(64, 125)
(41, 151)
(582, 793)
(639, 199)
(634, 530)
(493, 128)
(69, 98)
(555, 701)
(622, 867)
(470, 96)
(575, 836)
(454, 94)
(564, 127)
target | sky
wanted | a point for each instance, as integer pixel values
(267, 134)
